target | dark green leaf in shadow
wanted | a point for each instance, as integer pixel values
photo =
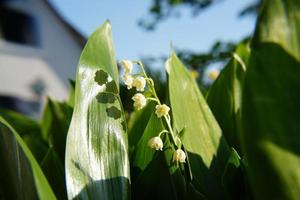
(106, 97)
(101, 77)
(55, 173)
(270, 104)
(71, 97)
(30, 131)
(233, 178)
(112, 87)
(20, 175)
(114, 112)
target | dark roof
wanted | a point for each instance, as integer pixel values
(75, 33)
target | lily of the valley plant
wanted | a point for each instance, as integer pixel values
(141, 82)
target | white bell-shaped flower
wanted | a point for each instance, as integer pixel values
(128, 80)
(139, 101)
(162, 110)
(139, 83)
(127, 66)
(179, 156)
(156, 143)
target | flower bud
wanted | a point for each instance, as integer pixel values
(127, 66)
(161, 110)
(139, 83)
(213, 74)
(128, 80)
(179, 156)
(156, 143)
(139, 101)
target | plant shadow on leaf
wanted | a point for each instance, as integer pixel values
(106, 97)
(102, 188)
(112, 87)
(101, 77)
(113, 112)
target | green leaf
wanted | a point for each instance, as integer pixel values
(29, 130)
(144, 154)
(207, 149)
(101, 77)
(55, 123)
(233, 178)
(20, 174)
(271, 99)
(97, 165)
(225, 95)
(137, 124)
(54, 170)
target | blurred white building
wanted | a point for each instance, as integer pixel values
(39, 51)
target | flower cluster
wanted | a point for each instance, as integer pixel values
(140, 82)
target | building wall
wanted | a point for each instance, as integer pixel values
(53, 61)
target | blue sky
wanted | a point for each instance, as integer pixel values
(186, 32)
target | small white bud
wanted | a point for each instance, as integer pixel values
(179, 156)
(139, 83)
(213, 74)
(127, 66)
(155, 143)
(139, 101)
(161, 110)
(128, 80)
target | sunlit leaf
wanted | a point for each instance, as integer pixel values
(20, 174)
(97, 165)
(206, 147)
(225, 95)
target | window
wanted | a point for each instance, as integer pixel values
(18, 27)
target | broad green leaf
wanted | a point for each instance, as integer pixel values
(206, 147)
(97, 165)
(271, 99)
(143, 153)
(21, 177)
(225, 95)
(30, 131)
(54, 171)
(55, 124)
